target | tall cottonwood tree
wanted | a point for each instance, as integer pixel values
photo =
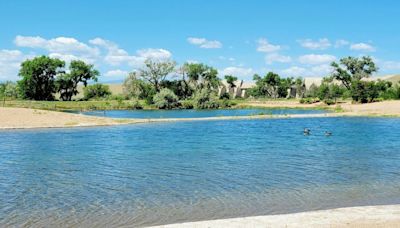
(38, 77)
(80, 72)
(353, 69)
(156, 71)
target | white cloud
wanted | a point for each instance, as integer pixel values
(315, 59)
(265, 46)
(321, 70)
(320, 44)
(294, 71)
(10, 62)
(341, 43)
(154, 53)
(275, 57)
(204, 43)
(116, 73)
(316, 71)
(362, 47)
(61, 45)
(237, 71)
(116, 56)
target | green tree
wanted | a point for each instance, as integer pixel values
(134, 87)
(351, 69)
(38, 77)
(156, 71)
(231, 80)
(202, 76)
(96, 91)
(166, 99)
(271, 85)
(80, 72)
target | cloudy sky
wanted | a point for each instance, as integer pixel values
(292, 38)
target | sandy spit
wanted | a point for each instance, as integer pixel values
(23, 118)
(365, 216)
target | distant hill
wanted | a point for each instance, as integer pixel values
(116, 89)
(395, 78)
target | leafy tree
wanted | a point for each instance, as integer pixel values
(96, 91)
(231, 80)
(166, 99)
(133, 87)
(156, 71)
(354, 70)
(38, 77)
(202, 76)
(271, 85)
(80, 72)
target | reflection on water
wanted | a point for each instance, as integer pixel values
(195, 113)
(172, 172)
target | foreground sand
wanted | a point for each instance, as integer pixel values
(367, 216)
(23, 118)
(13, 118)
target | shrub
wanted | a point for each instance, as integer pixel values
(187, 104)
(329, 102)
(9, 90)
(136, 105)
(204, 99)
(309, 100)
(96, 91)
(224, 96)
(166, 99)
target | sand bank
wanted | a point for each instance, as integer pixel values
(366, 216)
(14, 118)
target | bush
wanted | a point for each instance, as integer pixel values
(136, 105)
(9, 90)
(96, 91)
(166, 99)
(187, 104)
(204, 99)
(227, 103)
(224, 96)
(309, 100)
(329, 102)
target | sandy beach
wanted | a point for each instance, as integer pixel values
(366, 216)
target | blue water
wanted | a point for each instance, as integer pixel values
(193, 113)
(147, 174)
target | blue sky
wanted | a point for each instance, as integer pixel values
(292, 38)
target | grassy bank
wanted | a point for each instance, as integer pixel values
(76, 105)
(134, 104)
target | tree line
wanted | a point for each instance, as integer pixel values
(193, 85)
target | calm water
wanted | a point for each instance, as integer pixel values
(192, 113)
(150, 174)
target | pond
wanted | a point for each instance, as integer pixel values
(159, 173)
(196, 113)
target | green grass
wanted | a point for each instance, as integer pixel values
(75, 105)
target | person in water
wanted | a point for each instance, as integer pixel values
(328, 133)
(307, 131)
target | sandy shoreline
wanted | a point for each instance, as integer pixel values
(23, 118)
(365, 216)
